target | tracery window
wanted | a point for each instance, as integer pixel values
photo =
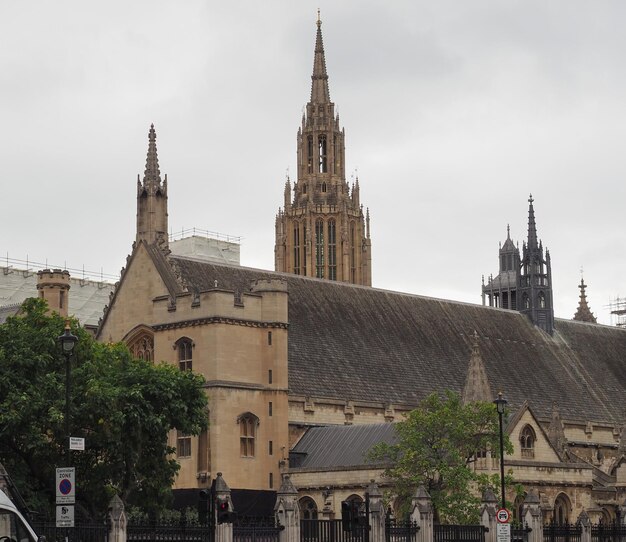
(542, 300)
(142, 347)
(308, 508)
(332, 250)
(248, 424)
(527, 440)
(352, 253)
(319, 248)
(309, 156)
(323, 162)
(296, 248)
(185, 355)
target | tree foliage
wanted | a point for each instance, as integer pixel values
(123, 407)
(436, 447)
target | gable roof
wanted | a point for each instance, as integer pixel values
(364, 344)
(341, 445)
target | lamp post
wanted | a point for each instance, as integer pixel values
(501, 403)
(68, 342)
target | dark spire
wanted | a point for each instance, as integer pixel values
(583, 313)
(319, 85)
(532, 227)
(152, 173)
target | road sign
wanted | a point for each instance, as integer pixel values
(503, 515)
(503, 532)
(77, 443)
(65, 515)
(65, 485)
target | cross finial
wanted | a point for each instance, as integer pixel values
(319, 19)
(530, 199)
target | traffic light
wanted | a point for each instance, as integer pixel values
(203, 506)
(224, 514)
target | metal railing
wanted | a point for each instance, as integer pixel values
(400, 530)
(459, 533)
(565, 532)
(81, 532)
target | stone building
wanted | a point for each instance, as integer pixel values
(298, 363)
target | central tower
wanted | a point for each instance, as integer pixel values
(322, 231)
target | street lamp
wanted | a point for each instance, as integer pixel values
(501, 403)
(68, 342)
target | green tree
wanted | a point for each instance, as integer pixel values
(436, 446)
(123, 407)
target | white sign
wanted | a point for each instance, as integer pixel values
(77, 443)
(66, 493)
(503, 515)
(65, 515)
(503, 532)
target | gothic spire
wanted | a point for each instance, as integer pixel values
(152, 173)
(477, 386)
(583, 313)
(532, 227)
(319, 85)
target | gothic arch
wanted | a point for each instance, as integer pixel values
(308, 508)
(562, 509)
(140, 342)
(248, 429)
(527, 439)
(184, 347)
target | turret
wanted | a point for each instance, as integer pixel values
(152, 199)
(53, 286)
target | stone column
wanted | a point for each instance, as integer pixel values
(532, 517)
(223, 531)
(422, 514)
(488, 511)
(287, 511)
(622, 511)
(377, 513)
(117, 520)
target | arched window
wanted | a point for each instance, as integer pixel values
(323, 163)
(308, 508)
(518, 509)
(542, 300)
(324, 187)
(142, 345)
(309, 157)
(561, 509)
(248, 424)
(527, 440)
(332, 250)
(319, 248)
(296, 248)
(185, 356)
(526, 301)
(352, 252)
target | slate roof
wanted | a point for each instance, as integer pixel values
(365, 344)
(341, 445)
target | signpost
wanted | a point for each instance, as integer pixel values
(503, 529)
(65, 515)
(66, 491)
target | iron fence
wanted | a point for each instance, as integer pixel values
(566, 532)
(400, 530)
(459, 533)
(81, 532)
(331, 530)
(176, 531)
(608, 532)
(256, 529)
(520, 534)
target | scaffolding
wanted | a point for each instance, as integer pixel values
(617, 307)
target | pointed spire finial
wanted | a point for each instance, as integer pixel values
(319, 87)
(319, 19)
(508, 231)
(152, 173)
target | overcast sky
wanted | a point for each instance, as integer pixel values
(454, 112)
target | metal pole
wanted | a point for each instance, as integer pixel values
(67, 405)
(502, 460)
